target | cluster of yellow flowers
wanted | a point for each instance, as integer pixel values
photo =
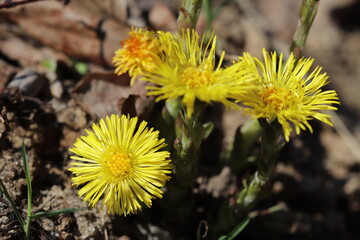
(121, 161)
(180, 66)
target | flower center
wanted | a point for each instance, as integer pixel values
(278, 98)
(140, 44)
(119, 164)
(133, 43)
(196, 78)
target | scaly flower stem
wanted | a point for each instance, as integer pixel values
(190, 133)
(271, 143)
(209, 15)
(307, 14)
(250, 194)
(189, 130)
(189, 14)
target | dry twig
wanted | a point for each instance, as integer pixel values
(11, 4)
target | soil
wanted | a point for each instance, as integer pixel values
(46, 102)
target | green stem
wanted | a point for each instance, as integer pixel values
(209, 17)
(189, 14)
(253, 188)
(29, 191)
(14, 208)
(307, 15)
(271, 143)
(190, 133)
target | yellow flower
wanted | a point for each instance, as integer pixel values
(139, 53)
(285, 92)
(121, 162)
(189, 72)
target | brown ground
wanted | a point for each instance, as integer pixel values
(317, 179)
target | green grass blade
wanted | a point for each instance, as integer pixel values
(16, 211)
(238, 229)
(29, 191)
(55, 212)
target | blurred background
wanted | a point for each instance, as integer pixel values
(56, 78)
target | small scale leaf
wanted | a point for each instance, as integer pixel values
(208, 128)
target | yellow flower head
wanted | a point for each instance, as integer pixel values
(189, 72)
(139, 53)
(121, 162)
(285, 92)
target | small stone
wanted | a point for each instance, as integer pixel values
(56, 89)
(28, 81)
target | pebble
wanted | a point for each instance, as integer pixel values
(29, 82)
